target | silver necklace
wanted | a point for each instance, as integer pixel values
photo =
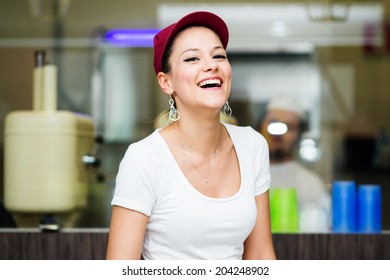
(205, 178)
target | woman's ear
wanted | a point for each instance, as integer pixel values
(165, 83)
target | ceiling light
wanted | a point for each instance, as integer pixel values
(49, 9)
(279, 28)
(328, 10)
(131, 37)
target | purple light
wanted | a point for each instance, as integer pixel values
(131, 37)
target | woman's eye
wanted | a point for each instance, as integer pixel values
(191, 59)
(220, 56)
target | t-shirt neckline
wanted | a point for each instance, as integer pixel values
(188, 183)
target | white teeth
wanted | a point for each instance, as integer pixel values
(210, 82)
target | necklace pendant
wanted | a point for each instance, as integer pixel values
(206, 180)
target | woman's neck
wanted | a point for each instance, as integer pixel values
(202, 136)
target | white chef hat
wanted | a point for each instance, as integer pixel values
(287, 103)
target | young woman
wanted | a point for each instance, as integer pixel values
(196, 189)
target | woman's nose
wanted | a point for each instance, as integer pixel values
(210, 64)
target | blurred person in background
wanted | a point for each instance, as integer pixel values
(282, 124)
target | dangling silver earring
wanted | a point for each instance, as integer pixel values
(174, 114)
(227, 110)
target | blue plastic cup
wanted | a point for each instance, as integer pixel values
(369, 205)
(344, 206)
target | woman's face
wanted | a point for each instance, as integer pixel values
(200, 71)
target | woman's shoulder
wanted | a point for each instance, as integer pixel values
(239, 129)
(147, 147)
(148, 141)
(245, 133)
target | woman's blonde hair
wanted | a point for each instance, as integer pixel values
(162, 120)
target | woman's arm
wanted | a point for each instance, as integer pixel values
(126, 236)
(259, 245)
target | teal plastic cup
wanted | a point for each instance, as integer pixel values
(284, 210)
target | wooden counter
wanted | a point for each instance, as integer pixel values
(90, 244)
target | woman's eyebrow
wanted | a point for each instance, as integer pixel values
(190, 50)
(196, 49)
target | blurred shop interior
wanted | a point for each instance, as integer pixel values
(334, 56)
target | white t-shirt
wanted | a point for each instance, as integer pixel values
(183, 223)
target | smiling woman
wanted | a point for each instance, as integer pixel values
(197, 188)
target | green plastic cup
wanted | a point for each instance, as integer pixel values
(284, 210)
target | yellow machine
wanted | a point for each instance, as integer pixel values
(45, 175)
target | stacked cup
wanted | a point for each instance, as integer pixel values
(312, 218)
(369, 205)
(344, 206)
(359, 211)
(284, 210)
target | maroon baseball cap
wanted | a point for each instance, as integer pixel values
(201, 18)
